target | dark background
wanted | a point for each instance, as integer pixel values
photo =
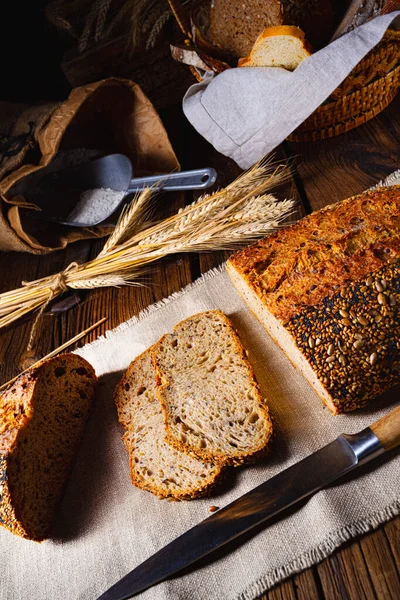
(31, 54)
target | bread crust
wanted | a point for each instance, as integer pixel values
(321, 280)
(16, 412)
(140, 482)
(163, 383)
(291, 30)
(273, 32)
(299, 266)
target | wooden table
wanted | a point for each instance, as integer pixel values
(322, 173)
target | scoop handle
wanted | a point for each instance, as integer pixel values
(387, 429)
(197, 179)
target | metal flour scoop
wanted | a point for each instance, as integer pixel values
(89, 193)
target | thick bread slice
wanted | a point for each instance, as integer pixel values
(42, 418)
(283, 46)
(212, 405)
(235, 24)
(327, 289)
(155, 466)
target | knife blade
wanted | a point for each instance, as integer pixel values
(261, 504)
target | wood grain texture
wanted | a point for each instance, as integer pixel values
(306, 585)
(392, 533)
(332, 582)
(381, 566)
(350, 566)
(285, 591)
(367, 569)
(387, 429)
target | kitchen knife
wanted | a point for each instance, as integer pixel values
(262, 503)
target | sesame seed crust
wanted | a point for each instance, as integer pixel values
(358, 331)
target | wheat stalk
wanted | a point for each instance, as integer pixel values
(55, 352)
(239, 214)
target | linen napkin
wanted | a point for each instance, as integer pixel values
(247, 112)
(106, 527)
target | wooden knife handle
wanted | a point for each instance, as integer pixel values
(387, 429)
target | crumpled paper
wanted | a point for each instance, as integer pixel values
(247, 112)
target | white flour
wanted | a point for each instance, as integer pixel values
(95, 205)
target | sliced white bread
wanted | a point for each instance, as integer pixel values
(212, 404)
(154, 465)
(282, 46)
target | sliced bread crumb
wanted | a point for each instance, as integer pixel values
(284, 46)
(212, 404)
(156, 466)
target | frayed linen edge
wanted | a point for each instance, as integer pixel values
(156, 306)
(393, 179)
(320, 552)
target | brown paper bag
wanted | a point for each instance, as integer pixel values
(112, 115)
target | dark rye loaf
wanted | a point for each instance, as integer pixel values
(327, 289)
(42, 418)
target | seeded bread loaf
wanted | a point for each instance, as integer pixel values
(236, 24)
(327, 289)
(212, 405)
(284, 46)
(155, 466)
(42, 418)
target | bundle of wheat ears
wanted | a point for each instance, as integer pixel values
(238, 214)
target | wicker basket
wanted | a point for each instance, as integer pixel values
(366, 91)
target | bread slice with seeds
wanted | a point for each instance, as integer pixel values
(155, 466)
(42, 419)
(212, 404)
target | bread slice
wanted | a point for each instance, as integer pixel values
(327, 289)
(212, 404)
(42, 418)
(235, 24)
(155, 466)
(283, 46)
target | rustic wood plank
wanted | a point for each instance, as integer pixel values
(381, 566)
(306, 585)
(346, 165)
(352, 573)
(392, 532)
(332, 583)
(284, 591)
